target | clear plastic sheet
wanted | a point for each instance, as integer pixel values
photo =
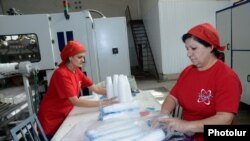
(134, 129)
(169, 135)
(13, 95)
(123, 130)
(120, 111)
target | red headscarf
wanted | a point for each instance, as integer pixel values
(72, 48)
(208, 33)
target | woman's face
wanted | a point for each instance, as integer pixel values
(198, 54)
(78, 59)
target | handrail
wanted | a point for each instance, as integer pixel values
(128, 14)
(240, 1)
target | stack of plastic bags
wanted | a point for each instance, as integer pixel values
(135, 129)
(120, 111)
(123, 130)
(119, 87)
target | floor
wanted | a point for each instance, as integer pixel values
(162, 88)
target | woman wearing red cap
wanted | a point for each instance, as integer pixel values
(64, 89)
(208, 90)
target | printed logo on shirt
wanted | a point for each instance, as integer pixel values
(205, 96)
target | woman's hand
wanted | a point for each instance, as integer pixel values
(107, 102)
(156, 121)
(176, 124)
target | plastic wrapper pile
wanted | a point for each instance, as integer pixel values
(133, 129)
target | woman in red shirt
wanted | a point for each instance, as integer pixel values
(64, 89)
(208, 90)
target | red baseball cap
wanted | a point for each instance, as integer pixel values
(72, 48)
(208, 33)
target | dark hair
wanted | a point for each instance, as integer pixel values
(215, 52)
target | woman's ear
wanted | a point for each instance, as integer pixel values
(212, 48)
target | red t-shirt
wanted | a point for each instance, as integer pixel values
(203, 93)
(55, 106)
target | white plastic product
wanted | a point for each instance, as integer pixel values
(124, 89)
(121, 134)
(115, 85)
(121, 107)
(134, 113)
(109, 87)
(121, 89)
(126, 130)
(154, 135)
(120, 111)
(109, 130)
(129, 97)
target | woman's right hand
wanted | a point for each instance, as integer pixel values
(107, 102)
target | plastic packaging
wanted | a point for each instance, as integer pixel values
(109, 87)
(153, 122)
(115, 85)
(120, 111)
(135, 129)
(123, 130)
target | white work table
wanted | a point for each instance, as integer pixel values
(79, 119)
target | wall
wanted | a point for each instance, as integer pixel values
(110, 8)
(1, 7)
(175, 18)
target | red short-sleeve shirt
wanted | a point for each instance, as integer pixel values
(203, 93)
(55, 105)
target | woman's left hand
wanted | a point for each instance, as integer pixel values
(175, 124)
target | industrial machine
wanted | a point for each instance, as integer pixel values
(15, 99)
(39, 38)
(25, 69)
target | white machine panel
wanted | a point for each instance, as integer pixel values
(112, 46)
(223, 24)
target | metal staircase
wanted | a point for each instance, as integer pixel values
(146, 64)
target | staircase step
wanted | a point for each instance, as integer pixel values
(136, 22)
